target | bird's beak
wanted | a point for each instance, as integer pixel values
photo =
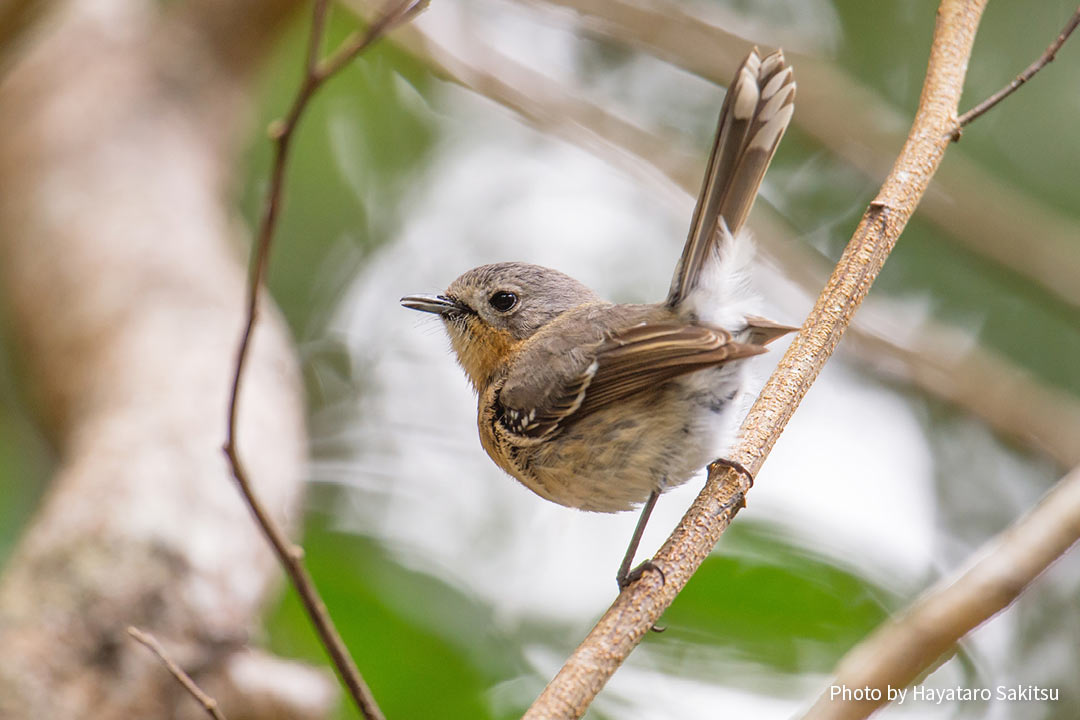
(438, 304)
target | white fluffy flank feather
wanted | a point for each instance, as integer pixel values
(724, 295)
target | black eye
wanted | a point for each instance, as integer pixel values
(503, 300)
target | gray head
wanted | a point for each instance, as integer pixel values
(491, 309)
(516, 298)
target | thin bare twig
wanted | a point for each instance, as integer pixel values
(281, 132)
(209, 704)
(395, 15)
(1029, 72)
(1021, 408)
(639, 606)
(896, 653)
(980, 211)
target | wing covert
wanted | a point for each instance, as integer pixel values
(624, 364)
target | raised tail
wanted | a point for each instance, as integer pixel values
(756, 111)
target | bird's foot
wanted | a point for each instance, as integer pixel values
(734, 465)
(626, 579)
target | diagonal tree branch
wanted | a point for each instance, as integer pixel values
(976, 209)
(898, 651)
(638, 607)
(1021, 408)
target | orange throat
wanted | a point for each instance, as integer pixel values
(482, 350)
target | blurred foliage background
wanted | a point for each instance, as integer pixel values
(768, 615)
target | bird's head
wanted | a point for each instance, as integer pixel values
(491, 310)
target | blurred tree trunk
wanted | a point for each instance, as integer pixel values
(123, 281)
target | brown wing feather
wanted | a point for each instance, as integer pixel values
(629, 362)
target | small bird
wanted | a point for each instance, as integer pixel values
(600, 406)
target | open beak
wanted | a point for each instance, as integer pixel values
(438, 304)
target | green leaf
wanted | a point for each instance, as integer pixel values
(425, 648)
(765, 600)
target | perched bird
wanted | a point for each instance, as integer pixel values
(601, 406)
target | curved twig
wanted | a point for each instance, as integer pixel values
(281, 132)
(635, 610)
(898, 651)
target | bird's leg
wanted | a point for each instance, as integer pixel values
(626, 576)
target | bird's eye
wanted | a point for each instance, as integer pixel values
(503, 301)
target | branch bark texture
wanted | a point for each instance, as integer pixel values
(628, 620)
(124, 289)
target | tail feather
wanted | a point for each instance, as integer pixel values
(760, 331)
(755, 113)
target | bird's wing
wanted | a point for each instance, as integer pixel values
(756, 111)
(624, 364)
